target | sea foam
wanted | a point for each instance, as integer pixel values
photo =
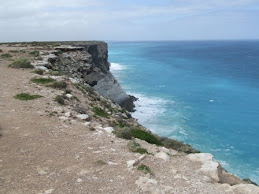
(117, 67)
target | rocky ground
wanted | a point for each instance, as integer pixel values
(49, 145)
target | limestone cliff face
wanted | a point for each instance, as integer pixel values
(88, 63)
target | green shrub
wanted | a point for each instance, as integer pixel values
(90, 90)
(42, 80)
(38, 71)
(6, 56)
(26, 96)
(146, 136)
(68, 91)
(92, 129)
(35, 53)
(100, 112)
(144, 169)
(100, 162)
(59, 85)
(124, 133)
(1, 50)
(13, 51)
(22, 63)
(178, 146)
(135, 147)
(60, 99)
(119, 124)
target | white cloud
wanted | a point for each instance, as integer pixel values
(98, 19)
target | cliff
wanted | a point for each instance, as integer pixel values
(57, 135)
(87, 62)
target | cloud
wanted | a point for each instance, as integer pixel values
(103, 19)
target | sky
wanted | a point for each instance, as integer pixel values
(129, 20)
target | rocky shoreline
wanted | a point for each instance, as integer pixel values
(74, 134)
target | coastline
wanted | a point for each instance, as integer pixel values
(213, 174)
(204, 105)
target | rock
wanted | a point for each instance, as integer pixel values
(74, 81)
(152, 186)
(49, 191)
(40, 63)
(79, 180)
(132, 163)
(87, 124)
(108, 129)
(162, 155)
(41, 68)
(67, 114)
(69, 96)
(208, 167)
(80, 110)
(83, 116)
(63, 118)
(109, 88)
(112, 163)
(244, 189)
(225, 177)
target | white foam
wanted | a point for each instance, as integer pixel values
(148, 108)
(117, 67)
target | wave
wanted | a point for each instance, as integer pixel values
(148, 108)
(152, 113)
(117, 67)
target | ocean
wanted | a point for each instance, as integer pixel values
(204, 93)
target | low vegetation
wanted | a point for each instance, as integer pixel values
(39, 71)
(178, 146)
(124, 133)
(26, 96)
(1, 50)
(119, 124)
(14, 51)
(42, 80)
(100, 112)
(59, 85)
(123, 130)
(146, 136)
(100, 162)
(0, 132)
(60, 99)
(22, 63)
(135, 147)
(6, 56)
(145, 169)
(34, 53)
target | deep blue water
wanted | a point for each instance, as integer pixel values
(205, 93)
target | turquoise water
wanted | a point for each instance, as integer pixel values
(205, 93)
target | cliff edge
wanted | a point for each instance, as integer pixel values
(87, 62)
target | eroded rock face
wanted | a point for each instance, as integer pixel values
(88, 63)
(208, 167)
(109, 88)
